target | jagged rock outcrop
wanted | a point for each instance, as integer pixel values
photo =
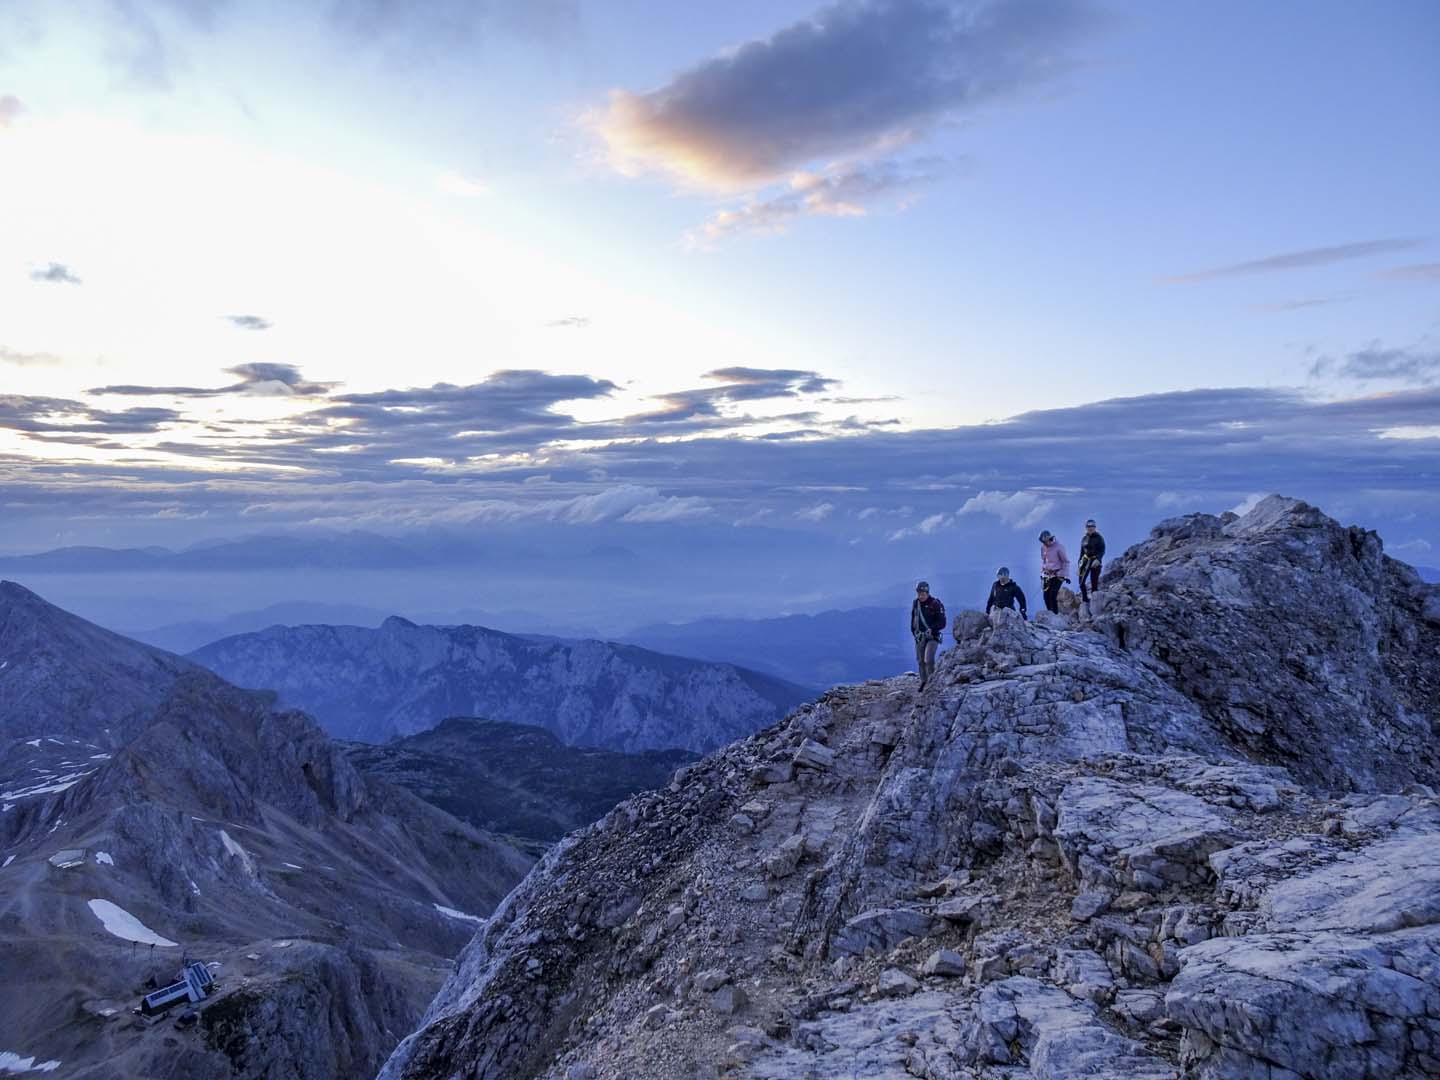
(1064, 858)
(402, 678)
(207, 823)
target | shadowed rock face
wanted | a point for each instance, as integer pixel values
(514, 779)
(1065, 858)
(77, 679)
(373, 685)
(330, 902)
(1291, 633)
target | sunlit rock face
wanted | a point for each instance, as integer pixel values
(402, 678)
(1191, 832)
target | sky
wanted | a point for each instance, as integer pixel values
(898, 276)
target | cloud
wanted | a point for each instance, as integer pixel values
(739, 384)
(1299, 305)
(455, 183)
(1417, 272)
(1301, 260)
(1245, 505)
(1018, 509)
(249, 322)
(570, 322)
(1408, 365)
(818, 512)
(10, 110)
(1411, 549)
(41, 416)
(416, 27)
(260, 380)
(848, 191)
(929, 525)
(55, 273)
(853, 80)
(673, 508)
(28, 359)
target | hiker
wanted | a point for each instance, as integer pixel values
(1054, 569)
(927, 620)
(1092, 554)
(1005, 592)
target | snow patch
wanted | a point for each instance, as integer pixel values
(104, 857)
(452, 913)
(122, 924)
(68, 857)
(8, 860)
(50, 784)
(33, 742)
(293, 866)
(11, 1062)
(238, 852)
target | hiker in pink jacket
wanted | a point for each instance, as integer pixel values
(1054, 569)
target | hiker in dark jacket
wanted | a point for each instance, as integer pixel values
(1092, 554)
(1005, 593)
(927, 620)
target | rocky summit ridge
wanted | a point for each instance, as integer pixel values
(1195, 834)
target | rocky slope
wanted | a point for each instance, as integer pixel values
(154, 812)
(372, 685)
(1144, 846)
(514, 779)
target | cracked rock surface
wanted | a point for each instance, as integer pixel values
(1191, 836)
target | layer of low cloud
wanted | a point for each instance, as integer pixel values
(55, 274)
(854, 79)
(1301, 260)
(249, 322)
(570, 322)
(505, 453)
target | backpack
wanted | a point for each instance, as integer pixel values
(941, 606)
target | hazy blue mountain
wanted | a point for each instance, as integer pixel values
(403, 678)
(183, 637)
(514, 779)
(816, 650)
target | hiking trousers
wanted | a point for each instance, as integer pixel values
(925, 657)
(1052, 593)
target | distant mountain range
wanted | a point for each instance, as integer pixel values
(514, 779)
(150, 811)
(399, 679)
(816, 650)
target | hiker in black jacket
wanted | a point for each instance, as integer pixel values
(1092, 554)
(1004, 594)
(927, 620)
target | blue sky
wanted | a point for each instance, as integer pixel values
(939, 267)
